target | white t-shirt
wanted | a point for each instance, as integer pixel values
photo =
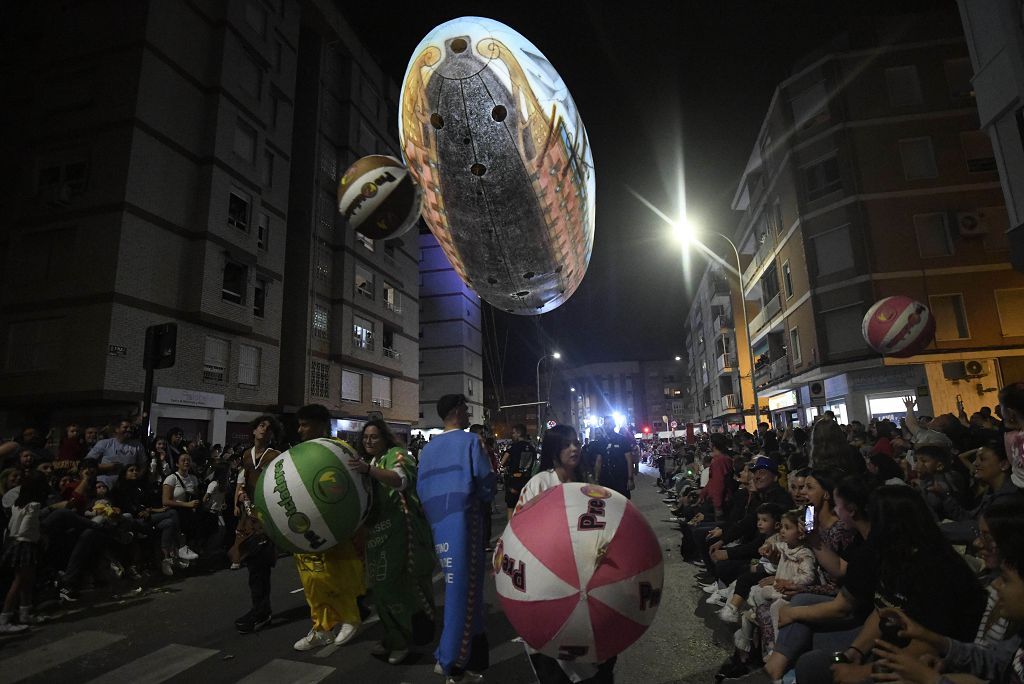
(190, 482)
(540, 482)
(216, 494)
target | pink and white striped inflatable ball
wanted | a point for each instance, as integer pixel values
(579, 572)
(898, 326)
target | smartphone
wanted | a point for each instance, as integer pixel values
(809, 518)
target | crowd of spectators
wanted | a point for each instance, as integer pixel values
(858, 553)
(93, 505)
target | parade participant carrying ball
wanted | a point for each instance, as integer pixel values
(578, 569)
(310, 498)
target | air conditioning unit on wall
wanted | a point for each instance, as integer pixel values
(971, 223)
(961, 370)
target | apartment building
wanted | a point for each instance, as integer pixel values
(718, 359)
(353, 314)
(176, 162)
(450, 337)
(148, 182)
(869, 178)
(996, 45)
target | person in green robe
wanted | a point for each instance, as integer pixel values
(399, 548)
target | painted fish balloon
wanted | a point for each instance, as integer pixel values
(490, 132)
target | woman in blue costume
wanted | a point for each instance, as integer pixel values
(455, 483)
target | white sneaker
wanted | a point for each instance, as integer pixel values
(11, 628)
(712, 588)
(345, 633)
(236, 566)
(313, 639)
(167, 567)
(716, 599)
(185, 553)
(729, 614)
(397, 657)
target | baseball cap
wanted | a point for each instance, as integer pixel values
(449, 401)
(763, 463)
(926, 437)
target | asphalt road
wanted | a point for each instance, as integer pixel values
(181, 631)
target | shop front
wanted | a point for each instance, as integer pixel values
(200, 415)
(784, 409)
(875, 393)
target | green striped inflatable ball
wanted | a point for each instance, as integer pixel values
(309, 500)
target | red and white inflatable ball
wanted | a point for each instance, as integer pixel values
(898, 326)
(579, 572)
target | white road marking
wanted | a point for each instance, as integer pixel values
(54, 654)
(156, 667)
(292, 671)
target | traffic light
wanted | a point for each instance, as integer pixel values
(647, 429)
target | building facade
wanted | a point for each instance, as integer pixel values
(450, 337)
(996, 45)
(718, 359)
(870, 178)
(175, 162)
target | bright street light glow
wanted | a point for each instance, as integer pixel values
(679, 358)
(684, 230)
(572, 389)
(556, 355)
(619, 419)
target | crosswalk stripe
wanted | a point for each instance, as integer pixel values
(295, 672)
(156, 667)
(54, 654)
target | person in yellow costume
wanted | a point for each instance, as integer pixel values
(333, 580)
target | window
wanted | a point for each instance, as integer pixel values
(362, 333)
(392, 298)
(250, 77)
(351, 386)
(215, 359)
(833, 251)
(978, 152)
(238, 210)
(256, 17)
(381, 385)
(794, 345)
(328, 160)
(262, 231)
(1010, 305)
(319, 379)
(842, 329)
(245, 141)
(810, 107)
(268, 169)
(366, 242)
(933, 238)
(259, 298)
(822, 178)
(59, 182)
(248, 365)
(322, 265)
(390, 350)
(950, 317)
(769, 283)
(958, 77)
(325, 211)
(235, 281)
(320, 322)
(364, 282)
(904, 86)
(918, 158)
(787, 279)
(34, 345)
(777, 218)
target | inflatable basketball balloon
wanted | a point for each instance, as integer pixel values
(378, 197)
(579, 572)
(898, 326)
(308, 498)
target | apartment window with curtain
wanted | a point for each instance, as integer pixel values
(950, 316)
(351, 386)
(933, 236)
(1010, 305)
(362, 333)
(215, 359)
(321, 322)
(319, 379)
(248, 365)
(832, 251)
(381, 391)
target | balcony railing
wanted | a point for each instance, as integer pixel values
(383, 403)
(720, 292)
(730, 402)
(365, 291)
(764, 316)
(726, 363)
(393, 306)
(780, 368)
(392, 353)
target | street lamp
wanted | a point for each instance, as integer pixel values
(555, 356)
(687, 234)
(679, 358)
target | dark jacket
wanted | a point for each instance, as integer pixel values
(745, 528)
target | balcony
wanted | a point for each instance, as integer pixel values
(721, 294)
(730, 402)
(394, 307)
(392, 353)
(764, 316)
(365, 291)
(780, 368)
(723, 324)
(726, 363)
(768, 372)
(383, 403)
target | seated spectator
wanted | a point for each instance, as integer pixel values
(181, 494)
(71, 450)
(910, 550)
(944, 488)
(990, 656)
(885, 470)
(830, 449)
(137, 499)
(992, 473)
(769, 522)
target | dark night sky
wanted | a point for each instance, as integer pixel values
(654, 82)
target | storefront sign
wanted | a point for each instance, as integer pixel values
(182, 397)
(884, 379)
(781, 401)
